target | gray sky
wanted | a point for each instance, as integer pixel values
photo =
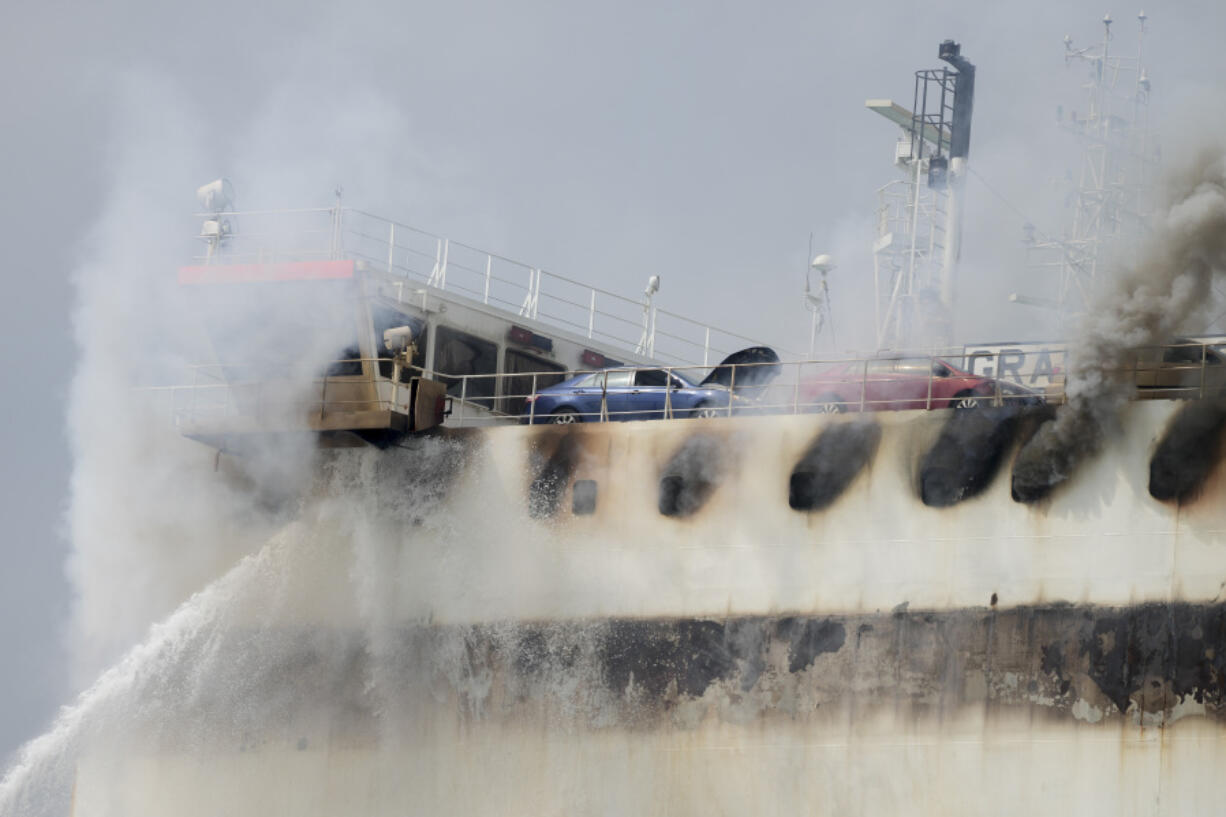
(699, 141)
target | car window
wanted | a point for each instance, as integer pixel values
(592, 381)
(1183, 354)
(882, 366)
(651, 377)
(619, 379)
(914, 366)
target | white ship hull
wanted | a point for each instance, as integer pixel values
(448, 635)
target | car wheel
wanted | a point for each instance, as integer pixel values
(966, 400)
(828, 404)
(564, 417)
(706, 411)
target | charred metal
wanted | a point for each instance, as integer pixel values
(691, 475)
(1152, 662)
(967, 455)
(553, 473)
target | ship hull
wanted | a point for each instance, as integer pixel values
(691, 617)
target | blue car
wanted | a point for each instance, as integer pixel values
(647, 394)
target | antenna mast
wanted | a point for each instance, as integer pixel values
(1118, 160)
(919, 217)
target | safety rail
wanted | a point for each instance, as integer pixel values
(1172, 371)
(408, 254)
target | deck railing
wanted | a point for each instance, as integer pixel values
(425, 260)
(1176, 371)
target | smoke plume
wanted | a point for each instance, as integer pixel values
(1153, 297)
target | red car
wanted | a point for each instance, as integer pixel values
(905, 383)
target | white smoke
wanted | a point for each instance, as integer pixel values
(151, 522)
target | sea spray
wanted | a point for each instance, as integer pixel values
(148, 678)
(299, 633)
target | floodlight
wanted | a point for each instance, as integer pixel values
(217, 196)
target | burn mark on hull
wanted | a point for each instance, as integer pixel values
(1187, 452)
(553, 475)
(1155, 654)
(1046, 460)
(1141, 662)
(967, 455)
(831, 463)
(691, 475)
(1151, 663)
(691, 655)
(809, 638)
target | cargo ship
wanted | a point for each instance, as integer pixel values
(798, 604)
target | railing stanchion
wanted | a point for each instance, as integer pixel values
(668, 393)
(391, 245)
(796, 392)
(731, 388)
(532, 402)
(463, 399)
(1203, 355)
(591, 316)
(191, 411)
(928, 401)
(489, 263)
(706, 346)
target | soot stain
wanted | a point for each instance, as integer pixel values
(1181, 644)
(1041, 468)
(1146, 656)
(553, 474)
(967, 455)
(690, 653)
(809, 638)
(1187, 452)
(832, 461)
(691, 475)
(1135, 660)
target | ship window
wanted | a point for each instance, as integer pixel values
(459, 353)
(583, 497)
(385, 318)
(518, 381)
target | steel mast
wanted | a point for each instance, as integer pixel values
(919, 217)
(1118, 160)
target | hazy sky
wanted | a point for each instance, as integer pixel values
(702, 142)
